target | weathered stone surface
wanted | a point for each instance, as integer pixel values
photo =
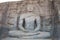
(47, 25)
(12, 19)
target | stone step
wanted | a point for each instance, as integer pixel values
(8, 38)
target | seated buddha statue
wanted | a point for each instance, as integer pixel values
(29, 27)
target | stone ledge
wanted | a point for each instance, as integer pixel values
(22, 39)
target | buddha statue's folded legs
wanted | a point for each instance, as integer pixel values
(21, 34)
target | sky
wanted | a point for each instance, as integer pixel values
(1, 1)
